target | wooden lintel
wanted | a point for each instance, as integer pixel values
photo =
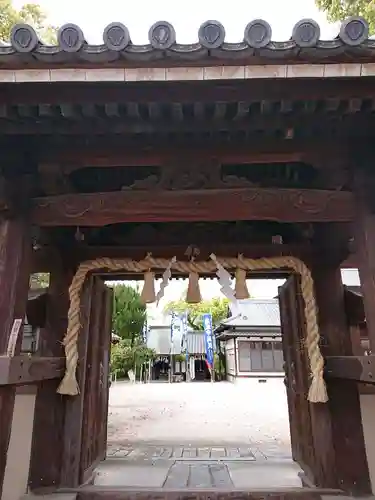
(110, 152)
(23, 370)
(186, 92)
(358, 368)
(43, 260)
(281, 122)
(283, 205)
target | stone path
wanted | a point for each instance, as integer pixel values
(176, 436)
(183, 453)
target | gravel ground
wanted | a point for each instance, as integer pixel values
(199, 414)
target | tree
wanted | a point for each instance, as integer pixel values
(39, 280)
(218, 307)
(31, 14)
(129, 313)
(338, 10)
(125, 357)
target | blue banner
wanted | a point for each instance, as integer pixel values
(207, 325)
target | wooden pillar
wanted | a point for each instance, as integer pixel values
(47, 446)
(74, 405)
(15, 260)
(364, 235)
(337, 425)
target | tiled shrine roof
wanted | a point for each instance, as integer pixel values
(256, 46)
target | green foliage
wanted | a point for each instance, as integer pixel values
(31, 14)
(125, 357)
(129, 313)
(39, 280)
(218, 307)
(338, 10)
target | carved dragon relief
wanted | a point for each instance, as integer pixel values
(189, 175)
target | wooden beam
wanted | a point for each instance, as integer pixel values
(359, 368)
(186, 92)
(283, 205)
(275, 122)
(23, 370)
(107, 153)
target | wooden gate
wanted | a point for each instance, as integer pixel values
(96, 387)
(296, 373)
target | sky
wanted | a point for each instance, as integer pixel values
(93, 16)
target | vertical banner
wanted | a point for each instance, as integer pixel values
(184, 343)
(207, 325)
(175, 328)
(145, 332)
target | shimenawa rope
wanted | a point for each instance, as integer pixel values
(317, 392)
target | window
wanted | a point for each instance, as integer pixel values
(244, 356)
(260, 356)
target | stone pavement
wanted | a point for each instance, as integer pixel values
(197, 467)
(199, 435)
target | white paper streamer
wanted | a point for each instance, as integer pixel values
(165, 279)
(225, 280)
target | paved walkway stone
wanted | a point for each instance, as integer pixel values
(198, 436)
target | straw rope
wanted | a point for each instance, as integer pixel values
(317, 392)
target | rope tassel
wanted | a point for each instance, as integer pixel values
(148, 295)
(193, 295)
(317, 392)
(241, 288)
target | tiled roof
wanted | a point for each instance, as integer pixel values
(255, 46)
(255, 313)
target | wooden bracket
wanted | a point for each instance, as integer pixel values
(23, 370)
(358, 368)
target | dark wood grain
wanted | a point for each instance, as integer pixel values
(47, 444)
(15, 252)
(359, 368)
(297, 375)
(283, 205)
(22, 370)
(340, 442)
(187, 92)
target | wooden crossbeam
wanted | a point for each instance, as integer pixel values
(100, 126)
(23, 370)
(187, 92)
(283, 205)
(358, 368)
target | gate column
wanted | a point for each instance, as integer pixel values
(337, 426)
(47, 445)
(364, 231)
(15, 261)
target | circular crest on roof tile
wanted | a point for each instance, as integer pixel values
(354, 31)
(211, 34)
(116, 36)
(70, 37)
(162, 35)
(23, 38)
(258, 33)
(306, 33)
